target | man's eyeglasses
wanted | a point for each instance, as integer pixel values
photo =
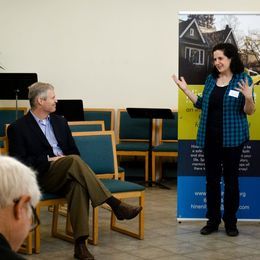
(35, 219)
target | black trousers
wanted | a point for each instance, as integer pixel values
(222, 161)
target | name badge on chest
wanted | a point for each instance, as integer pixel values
(233, 93)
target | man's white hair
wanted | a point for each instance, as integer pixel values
(16, 180)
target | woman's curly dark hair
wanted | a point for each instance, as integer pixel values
(231, 52)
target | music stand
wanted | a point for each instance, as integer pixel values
(71, 109)
(15, 86)
(151, 113)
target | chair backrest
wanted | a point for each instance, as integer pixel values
(133, 129)
(168, 129)
(86, 126)
(98, 150)
(8, 115)
(105, 114)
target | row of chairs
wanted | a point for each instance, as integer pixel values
(10, 114)
(132, 135)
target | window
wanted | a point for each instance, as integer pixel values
(195, 56)
(191, 32)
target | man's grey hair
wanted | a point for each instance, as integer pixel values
(17, 180)
(38, 89)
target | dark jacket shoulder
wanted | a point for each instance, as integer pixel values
(28, 143)
(6, 252)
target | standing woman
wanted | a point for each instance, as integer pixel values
(226, 101)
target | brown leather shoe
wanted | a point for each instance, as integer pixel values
(126, 211)
(81, 252)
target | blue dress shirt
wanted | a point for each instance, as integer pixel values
(47, 130)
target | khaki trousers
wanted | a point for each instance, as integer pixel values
(71, 177)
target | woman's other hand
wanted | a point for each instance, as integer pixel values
(245, 89)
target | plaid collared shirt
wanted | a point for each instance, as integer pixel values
(235, 124)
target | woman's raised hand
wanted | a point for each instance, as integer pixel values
(180, 83)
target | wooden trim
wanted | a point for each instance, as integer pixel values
(25, 109)
(134, 140)
(100, 122)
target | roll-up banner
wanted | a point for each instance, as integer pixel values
(198, 33)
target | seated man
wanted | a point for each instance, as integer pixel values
(44, 142)
(19, 194)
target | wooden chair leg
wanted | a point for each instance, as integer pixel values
(141, 217)
(55, 217)
(27, 246)
(69, 230)
(37, 235)
(55, 232)
(153, 168)
(94, 239)
(121, 176)
(146, 158)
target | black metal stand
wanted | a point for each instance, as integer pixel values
(151, 113)
(16, 103)
(14, 85)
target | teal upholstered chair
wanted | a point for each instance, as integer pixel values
(98, 150)
(133, 137)
(168, 141)
(105, 114)
(32, 242)
(7, 116)
(85, 126)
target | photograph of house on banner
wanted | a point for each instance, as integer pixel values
(198, 34)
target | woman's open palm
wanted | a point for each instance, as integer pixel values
(180, 83)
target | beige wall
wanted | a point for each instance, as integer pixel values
(110, 53)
